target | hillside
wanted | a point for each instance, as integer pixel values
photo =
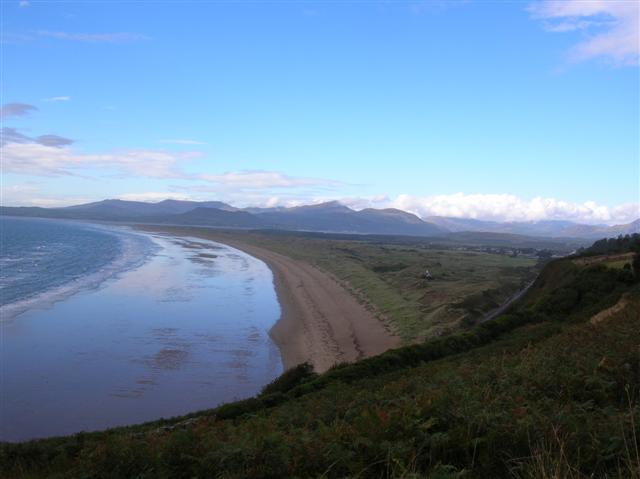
(211, 217)
(541, 391)
(546, 228)
(335, 217)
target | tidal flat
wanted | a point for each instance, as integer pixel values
(186, 330)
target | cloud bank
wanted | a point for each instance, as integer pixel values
(502, 207)
(42, 159)
(259, 179)
(611, 27)
(52, 155)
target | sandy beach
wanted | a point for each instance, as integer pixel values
(321, 321)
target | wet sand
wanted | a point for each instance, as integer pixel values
(185, 330)
(321, 322)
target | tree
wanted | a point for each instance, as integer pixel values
(635, 265)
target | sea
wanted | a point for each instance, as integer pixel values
(104, 326)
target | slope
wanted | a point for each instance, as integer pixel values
(538, 392)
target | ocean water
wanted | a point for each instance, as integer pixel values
(43, 260)
(133, 327)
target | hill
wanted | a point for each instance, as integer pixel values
(211, 217)
(331, 216)
(547, 228)
(335, 217)
(543, 390)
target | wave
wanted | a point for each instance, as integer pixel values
(135, 250)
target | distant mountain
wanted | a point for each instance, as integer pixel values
(116, 210)
(134, 209)
(338, 218)
(256, 210)
(629, 228)
(331, 217)
(326, 217)
(537, 228)
(213, 217)
(547, 228)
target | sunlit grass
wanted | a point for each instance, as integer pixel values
(389, 278)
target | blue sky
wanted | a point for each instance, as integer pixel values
(497, 110)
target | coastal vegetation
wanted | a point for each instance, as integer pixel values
(629, 243)
(387, 274)
(544, 390)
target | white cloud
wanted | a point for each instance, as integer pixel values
(154, 196)
(379, 201)
(263, 180)
(18, 191)
(51, 155)
(489, 207)
(43, 160)
(116, 37)
(30, 194)
(612, 27)
(502, 207)
(58, 98)
(23, 3)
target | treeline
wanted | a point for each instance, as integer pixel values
(621, 244)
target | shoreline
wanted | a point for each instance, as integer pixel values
(321, 322)
(185, 331)
(132, 254)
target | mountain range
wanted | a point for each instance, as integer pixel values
(331, 217)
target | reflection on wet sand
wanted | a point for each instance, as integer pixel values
(185, 331)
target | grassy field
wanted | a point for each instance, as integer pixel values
(616, 261)
(389, 277)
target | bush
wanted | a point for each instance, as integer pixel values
(289, 379)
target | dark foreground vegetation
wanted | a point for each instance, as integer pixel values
(547, 390)
(621, 244)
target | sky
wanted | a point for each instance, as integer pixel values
(492, 110)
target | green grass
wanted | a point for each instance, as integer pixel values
(538, 392)
(388, 278)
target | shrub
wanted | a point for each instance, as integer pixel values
(290, 379)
